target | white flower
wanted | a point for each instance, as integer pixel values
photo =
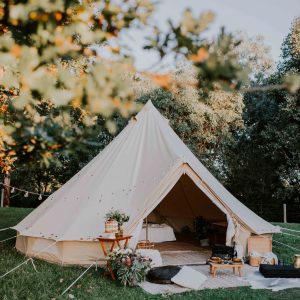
(128, 251)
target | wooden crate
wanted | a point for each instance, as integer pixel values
(259, 244)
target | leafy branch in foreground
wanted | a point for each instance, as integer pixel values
(47, 54)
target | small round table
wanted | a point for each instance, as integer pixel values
(113, 242)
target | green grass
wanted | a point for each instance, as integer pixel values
(51, 280)
(282, 252)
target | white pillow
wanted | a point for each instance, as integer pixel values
(190, 278)
(153, 254)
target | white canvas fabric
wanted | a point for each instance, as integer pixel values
(134, 173)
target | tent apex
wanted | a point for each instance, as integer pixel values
(149, 102)
(149, 105)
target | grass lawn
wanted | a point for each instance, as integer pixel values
(51, 280)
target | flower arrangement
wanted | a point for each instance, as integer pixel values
(116, 215)
(129, 266)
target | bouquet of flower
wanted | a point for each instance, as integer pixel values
(129, 266)
(116, 215)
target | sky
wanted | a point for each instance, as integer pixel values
(269, 18)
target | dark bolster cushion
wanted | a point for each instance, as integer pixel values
(162, 275)
(270, 271)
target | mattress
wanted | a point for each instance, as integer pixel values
(158, 233)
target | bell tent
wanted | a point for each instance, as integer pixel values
(145, 169)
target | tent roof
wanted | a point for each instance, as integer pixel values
(127, 175)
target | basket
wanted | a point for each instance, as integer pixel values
(145, 245)
(111, 226)
(254, 261)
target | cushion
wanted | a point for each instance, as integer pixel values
(270, 271)
(153, 254)
(222, 250)
(162, 275)
(190, 278)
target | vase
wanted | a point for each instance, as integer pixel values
(120, 232)
(297, 261)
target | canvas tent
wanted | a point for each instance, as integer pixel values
(145, 168)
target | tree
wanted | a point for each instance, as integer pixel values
(46, 55)
(50, 153)
(54, 84)
(263, 166)
(202, 122)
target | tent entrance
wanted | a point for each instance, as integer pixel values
(179, 210)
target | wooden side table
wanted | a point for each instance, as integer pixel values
(113, 242)
(213, 267)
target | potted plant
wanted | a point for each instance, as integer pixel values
(202, 229)
(129, 266)
(119, 217)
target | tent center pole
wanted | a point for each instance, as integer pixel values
(146, 228)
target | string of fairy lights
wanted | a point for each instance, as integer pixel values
(117, 192)
(14, 189)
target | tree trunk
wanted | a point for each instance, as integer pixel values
(5, 201)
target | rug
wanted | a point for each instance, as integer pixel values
(258, 281)
(223, 279)
(186, 258)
